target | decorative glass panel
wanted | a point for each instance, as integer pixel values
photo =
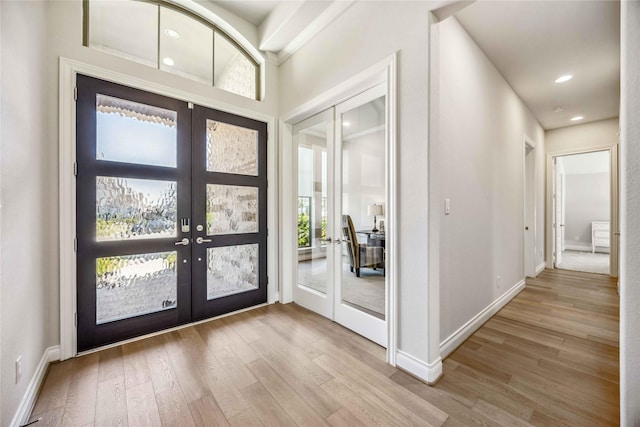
(233, 71)
(231, 209)
(231, 269)
(133, 285)
(125, 28)
(186, 46)
(131, 132)
(231, 149)
(128, 208)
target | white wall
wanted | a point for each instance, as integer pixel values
(586, 200)
(365, 34)
(600, 134)
(28, 288)
(630, 216)
(482, 124)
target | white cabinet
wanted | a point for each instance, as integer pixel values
(599, 235)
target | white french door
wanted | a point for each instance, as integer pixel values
(342, 194)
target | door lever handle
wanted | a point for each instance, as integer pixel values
(200, 240)
(328, 240)
(183, 242)
(337, 241)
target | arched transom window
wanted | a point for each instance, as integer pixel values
(165, 36)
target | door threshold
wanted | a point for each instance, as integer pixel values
(164, 331)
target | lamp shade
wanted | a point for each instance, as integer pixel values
(374, 210)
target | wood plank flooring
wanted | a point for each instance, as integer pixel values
(549, 358)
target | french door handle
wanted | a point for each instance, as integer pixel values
(337, 241)
(328, 240)
(183, 242)
(200, 240)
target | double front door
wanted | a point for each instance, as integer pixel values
(171, 212)
(342, 193)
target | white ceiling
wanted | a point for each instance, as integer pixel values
(254, 11)
(532, 43)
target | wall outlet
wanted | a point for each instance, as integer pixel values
(498, 282)
(18, 368)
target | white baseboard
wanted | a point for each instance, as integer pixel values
(51, 354)
(429, 373)
(458, 337)
(541, 267)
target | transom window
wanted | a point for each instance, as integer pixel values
(171, 39)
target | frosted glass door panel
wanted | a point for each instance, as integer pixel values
(132, 285)
(231, 270)
(128, 208)
(131, 132)
(231, 209)
(231, 149)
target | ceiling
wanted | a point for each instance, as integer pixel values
(531, 43)
(254, 11)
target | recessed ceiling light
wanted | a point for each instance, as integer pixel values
(172, 33)
(558, 109)
(576, 118)
(346, 124)
(564, 78)
(168, 61)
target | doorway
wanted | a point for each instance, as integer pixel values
(171, 212)
(530, 231)
(342, 193)
(583, 212)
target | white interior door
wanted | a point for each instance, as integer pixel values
(361, 189)
(341, 195)
(529, 211)
(313, 142)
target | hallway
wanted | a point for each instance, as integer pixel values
(550, 357)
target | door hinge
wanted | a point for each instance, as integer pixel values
(75, 93)
(190, 105)
(75, 168)
(75, 319)
(75, 244)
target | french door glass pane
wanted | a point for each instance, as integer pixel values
(312, 208)
(231, 209)
(231, 270)
(231, 149)
(128, 208)
(363, 196)
(186, 46)
(132, 285)
(131, 132)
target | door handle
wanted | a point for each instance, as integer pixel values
(337, 241)
(200, 240)
(328, 240)
(183, 242)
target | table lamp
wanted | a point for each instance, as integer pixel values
(374, 210)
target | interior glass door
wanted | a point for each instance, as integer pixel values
(313, 139)
(361, 189)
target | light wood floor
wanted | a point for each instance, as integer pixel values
(550, 357)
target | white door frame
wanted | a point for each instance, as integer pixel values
(382, 72)
(614, 200)
(67, 185)
(530, 240)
